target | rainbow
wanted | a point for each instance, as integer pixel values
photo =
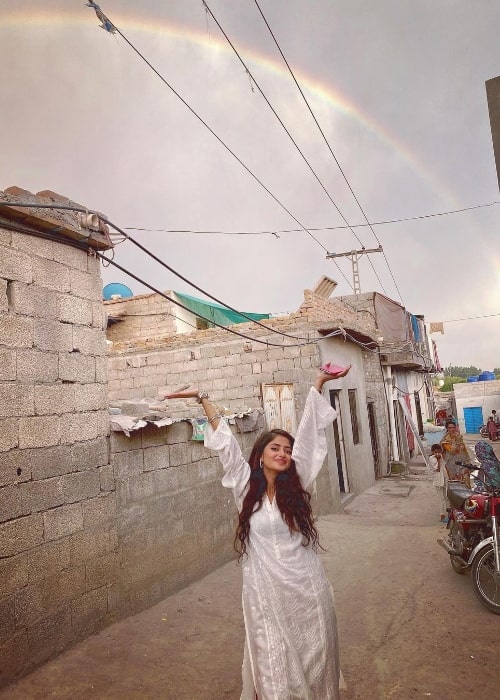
(211, 42)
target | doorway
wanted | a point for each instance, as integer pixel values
(339, 442)
(401, 433)
(373, 437)
(418, 409)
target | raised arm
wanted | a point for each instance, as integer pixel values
(192, 392)
(309, 450)
(218, 437)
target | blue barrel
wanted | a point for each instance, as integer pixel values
(474, 378)
(486, 376)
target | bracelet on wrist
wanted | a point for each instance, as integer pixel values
(202, 395)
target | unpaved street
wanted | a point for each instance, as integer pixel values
(409, 626)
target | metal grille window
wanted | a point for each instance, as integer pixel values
(279, 407)
(354, 415)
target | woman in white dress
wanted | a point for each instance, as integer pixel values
(291, 649)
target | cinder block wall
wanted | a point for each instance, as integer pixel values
(145, 316)
(232, 371)
(175, 521)
(58, 536)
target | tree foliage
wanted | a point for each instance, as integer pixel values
(464, 372)
(450, 381)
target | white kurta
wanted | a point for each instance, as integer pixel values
(291, 650)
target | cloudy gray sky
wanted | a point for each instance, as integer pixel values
(398, 88)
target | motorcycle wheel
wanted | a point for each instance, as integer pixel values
(457, 563)
(483, 582)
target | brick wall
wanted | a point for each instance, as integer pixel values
(144, 316)
(56, 489)
(175, 522)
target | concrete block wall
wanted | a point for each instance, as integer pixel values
(147, 316)
(232, 371)
(57, 500)
(175, 521)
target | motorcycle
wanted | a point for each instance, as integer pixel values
(483, 429)
(473, 541)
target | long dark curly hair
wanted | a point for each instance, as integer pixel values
(292, 500)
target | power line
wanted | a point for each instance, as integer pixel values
(104, 259)
(156, 259)
(326, 141)
(219, 139)
(340, 332)
(469, 318)
(254, 82)
(311, 228)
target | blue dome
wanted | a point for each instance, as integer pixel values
(116, 288)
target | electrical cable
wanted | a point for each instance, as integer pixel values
(311, 228)
(254, 81)
(161, 262)
(333, 334)
(103, 258)
(228, 149)
(326, 142)
(469, 318)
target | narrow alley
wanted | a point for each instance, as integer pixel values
(409, 626)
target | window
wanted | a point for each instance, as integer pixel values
(279, 407)
(354, 416)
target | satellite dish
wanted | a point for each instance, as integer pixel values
(116, 290)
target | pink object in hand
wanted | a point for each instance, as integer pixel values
(328, 368)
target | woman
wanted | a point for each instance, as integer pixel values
(492, 428)
(291, 648)
(455, 450)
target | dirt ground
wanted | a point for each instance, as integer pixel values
(409, 626)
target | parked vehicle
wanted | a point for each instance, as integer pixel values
(473, 541)
(483, 429)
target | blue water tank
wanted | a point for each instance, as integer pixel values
(474, 378)
(118, 289)
(486, 376)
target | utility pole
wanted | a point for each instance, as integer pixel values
(355, 255)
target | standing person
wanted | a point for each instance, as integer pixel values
(291, 648)
(455, 450)
(438, 468)
(492, 428)
(495, 416)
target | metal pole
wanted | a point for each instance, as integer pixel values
(354, 255)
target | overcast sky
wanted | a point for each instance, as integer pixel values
(398, 88)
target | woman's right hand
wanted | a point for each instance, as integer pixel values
(187, 392)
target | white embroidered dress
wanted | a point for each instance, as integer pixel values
(291, 650)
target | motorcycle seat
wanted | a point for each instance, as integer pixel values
(457, 493)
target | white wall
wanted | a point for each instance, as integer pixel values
(359, 458)
(470, 394)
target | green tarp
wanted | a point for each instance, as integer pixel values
(215, 312)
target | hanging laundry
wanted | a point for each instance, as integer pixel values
(198, 428)
(437, 327)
